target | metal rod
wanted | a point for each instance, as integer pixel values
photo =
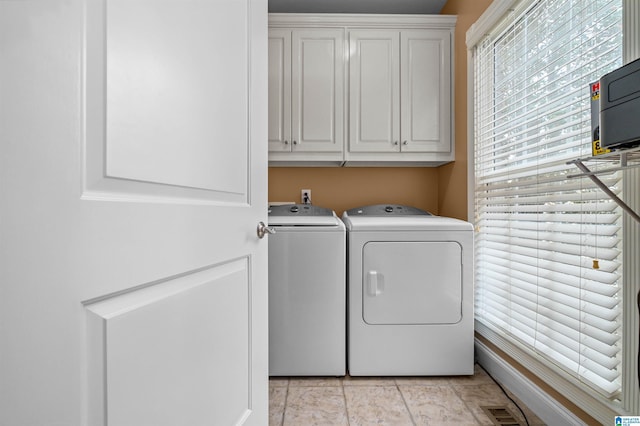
(606, 171)
(606, 190)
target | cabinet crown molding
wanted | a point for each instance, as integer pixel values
(288, 20)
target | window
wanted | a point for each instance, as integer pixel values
(548, 262)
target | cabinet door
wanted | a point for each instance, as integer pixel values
(317, 85)
(279, 90)
(374, 87)
(426, 91)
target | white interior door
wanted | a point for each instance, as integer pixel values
(133, 164)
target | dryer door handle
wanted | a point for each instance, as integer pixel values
(375, 283)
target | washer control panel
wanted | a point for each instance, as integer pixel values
(387, 210)
(299, 210)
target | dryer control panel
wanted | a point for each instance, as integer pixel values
(387, 210)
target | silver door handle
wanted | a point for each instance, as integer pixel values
(395, 142)
(405, 143)
(264, 230)
(376, 283)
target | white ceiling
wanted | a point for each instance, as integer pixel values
(356, 6)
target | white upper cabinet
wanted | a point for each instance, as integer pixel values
(374, 95)
(387, 87)
(425, 91)
(400, 97)
(279, 90)
(306, 95)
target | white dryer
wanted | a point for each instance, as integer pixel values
(307, 292)
(410, 292)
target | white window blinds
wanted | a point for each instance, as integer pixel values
(539, 232)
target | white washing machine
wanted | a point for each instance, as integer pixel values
(307, 292)
(410, 292)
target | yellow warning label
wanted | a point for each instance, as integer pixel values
(597, 149)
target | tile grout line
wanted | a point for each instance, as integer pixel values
(344, 397)
(286, 400)
(470, 409)
(413, 420)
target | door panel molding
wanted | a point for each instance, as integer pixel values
(148, 347)
(131, 151)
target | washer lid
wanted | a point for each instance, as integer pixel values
(301, 214)
(387, 210)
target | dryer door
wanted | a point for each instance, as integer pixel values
(413, 282)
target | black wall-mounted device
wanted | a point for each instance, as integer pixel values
(620, 107)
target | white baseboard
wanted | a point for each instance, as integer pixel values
(545, 407)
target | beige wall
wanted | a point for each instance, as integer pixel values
(452, 178)
(441, 190)
(342, 188)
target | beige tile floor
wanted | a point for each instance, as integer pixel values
(392, 401)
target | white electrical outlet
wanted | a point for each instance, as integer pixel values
(305, 196)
